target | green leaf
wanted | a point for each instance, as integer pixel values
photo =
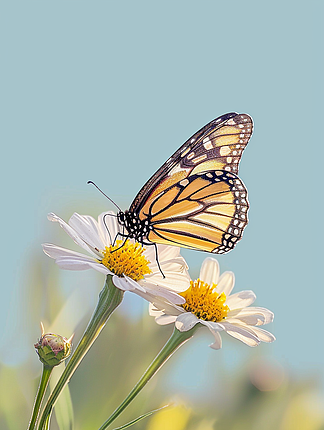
(141, 418)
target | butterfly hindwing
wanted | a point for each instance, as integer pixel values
(206, 211)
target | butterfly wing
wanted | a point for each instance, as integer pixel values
(206, 211)
(217, 146)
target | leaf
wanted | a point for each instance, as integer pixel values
(136, 420)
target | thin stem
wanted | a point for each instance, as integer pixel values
(110, 298)
(47, 370)
(175, 341)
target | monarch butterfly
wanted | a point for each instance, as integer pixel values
(195, 199)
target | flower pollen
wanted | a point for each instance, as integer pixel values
(203, 301)
(126, 259)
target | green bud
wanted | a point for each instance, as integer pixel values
(52, 348)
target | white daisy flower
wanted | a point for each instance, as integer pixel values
(134, 267)
(209, 302)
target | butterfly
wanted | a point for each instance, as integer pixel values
(195, 199)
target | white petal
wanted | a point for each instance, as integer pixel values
(176, 281)
(88, 229)
(169, 295)
(136, 285)
(252, 315)
(171, 265)
(165, 319)
(240, 300)
(186, 321)
(108, 227)
(75, 263)
(215, 329)
(71, 232)
(209, 271)
(165, 307)
(263, 335)
(55, 251)
(122, 284)
(154, 312)
(167, 252)
(226, 283)
(241, 333)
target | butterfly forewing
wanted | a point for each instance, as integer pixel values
(196, 200)
(217, 146)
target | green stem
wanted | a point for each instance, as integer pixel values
(110, 298)
(47, 370)
(176, 340)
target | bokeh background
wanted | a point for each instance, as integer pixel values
(107, 91)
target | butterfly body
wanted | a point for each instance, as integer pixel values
(196, 200)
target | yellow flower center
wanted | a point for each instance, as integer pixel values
(204, 301)
(126, 259)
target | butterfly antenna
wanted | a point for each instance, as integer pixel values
(90, 182)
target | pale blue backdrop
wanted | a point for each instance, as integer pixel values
(108, 90)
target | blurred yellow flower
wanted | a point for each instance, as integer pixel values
(173, 418)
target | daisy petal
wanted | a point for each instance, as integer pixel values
(186, 321)
(108, 227)
(226, 283)
(75, 263)
(88, 229)
(135, 284)
(240, 300)
(55, 251)
(241, 333)
(169, 295)
(263, 335)
(252, 315)
(71, 232)
(165, 319)
(209, 272)
(177, 281)
(215, 329)
(122, 284)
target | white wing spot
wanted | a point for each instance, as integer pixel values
(231, 122)
(208, 145)
(224, 150)
(229, 159)
(184, 182)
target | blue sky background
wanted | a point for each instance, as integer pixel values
(107, 91)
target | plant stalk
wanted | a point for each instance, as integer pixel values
(175, 341)
(110, 298)
(47, 370)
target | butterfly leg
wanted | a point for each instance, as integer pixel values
(125, 236)
(156, 255)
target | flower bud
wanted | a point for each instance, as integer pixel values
(52, 348)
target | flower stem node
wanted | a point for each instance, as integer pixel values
(52, 348)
